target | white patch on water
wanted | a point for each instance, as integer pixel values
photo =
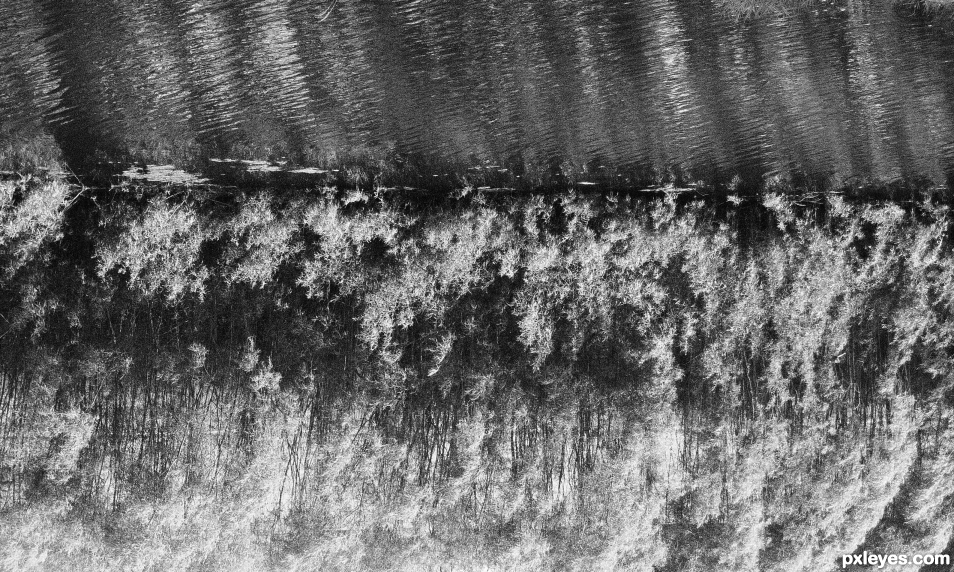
(163, 174)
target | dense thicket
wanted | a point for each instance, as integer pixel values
(200, 380)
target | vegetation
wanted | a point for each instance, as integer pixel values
(195, 379)
(348, 357)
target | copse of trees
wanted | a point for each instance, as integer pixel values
(336, 380)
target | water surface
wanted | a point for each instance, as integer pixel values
(843, 90)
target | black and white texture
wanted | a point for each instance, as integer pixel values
(648, 285)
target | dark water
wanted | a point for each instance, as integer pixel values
(844, 89)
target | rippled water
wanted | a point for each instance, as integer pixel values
(843, 89)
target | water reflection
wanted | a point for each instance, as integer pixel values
(844, 89)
